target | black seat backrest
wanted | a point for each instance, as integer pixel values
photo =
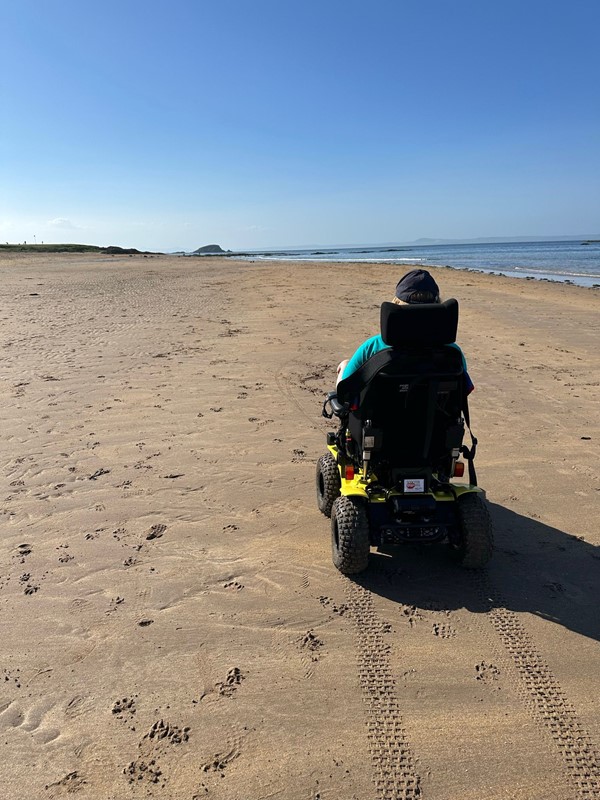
(412, 392)
(420, 324)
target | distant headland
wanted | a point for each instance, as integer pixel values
(113, 250)
(73, 248)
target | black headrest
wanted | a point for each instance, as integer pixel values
(419, 323)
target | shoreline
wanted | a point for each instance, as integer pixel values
(519, 273)
(405, 266)
(525, 274)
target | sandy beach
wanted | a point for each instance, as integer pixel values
(172, 623)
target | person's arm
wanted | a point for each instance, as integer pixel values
(469, 385)
(340, 370)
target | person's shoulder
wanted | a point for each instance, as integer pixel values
(367, 349)
(457, 347)
(372, 346)
(374, 341)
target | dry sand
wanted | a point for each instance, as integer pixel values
(172, 624)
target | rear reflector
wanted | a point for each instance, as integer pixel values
(349, 473)
(459, 469)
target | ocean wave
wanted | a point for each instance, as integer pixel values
(334, 259)
(564, 273)
(564, 262)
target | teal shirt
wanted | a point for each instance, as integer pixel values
(375, 344)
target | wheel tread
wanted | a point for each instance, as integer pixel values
(349, 521)
(328, 472)
(476, 531)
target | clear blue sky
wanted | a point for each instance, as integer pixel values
(256, 123)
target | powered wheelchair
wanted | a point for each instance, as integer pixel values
(389, 476)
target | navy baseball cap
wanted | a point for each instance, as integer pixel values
(417, 280)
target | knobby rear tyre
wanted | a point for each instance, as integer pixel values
(350, 535)
(328, 483)
(476, 535)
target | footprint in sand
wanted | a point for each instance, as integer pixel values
(486, 672)
(141, 770)
(156, 531)
(233, 585)
(31, 588)
(327, 602)
(232, 680)
(125, 708)
(411, 614)
(443, 630)
(115, 603)
(13, 676)
(23, 550)
(311, 645)
(72, 781)
(220, 761)
(167, 732)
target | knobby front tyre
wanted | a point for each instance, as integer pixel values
(328, 483)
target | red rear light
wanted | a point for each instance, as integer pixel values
(349, 472)
(459, 469)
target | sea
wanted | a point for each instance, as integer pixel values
(564, 261)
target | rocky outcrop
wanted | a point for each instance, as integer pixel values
(209, 249)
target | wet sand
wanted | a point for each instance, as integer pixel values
(172, 624)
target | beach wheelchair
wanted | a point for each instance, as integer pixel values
(389, 476)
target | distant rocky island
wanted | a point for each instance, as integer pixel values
(210, 250)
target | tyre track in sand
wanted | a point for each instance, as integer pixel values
(542, 694)
(393, 763)
(394, 769)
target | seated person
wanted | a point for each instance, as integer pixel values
(417, 286)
